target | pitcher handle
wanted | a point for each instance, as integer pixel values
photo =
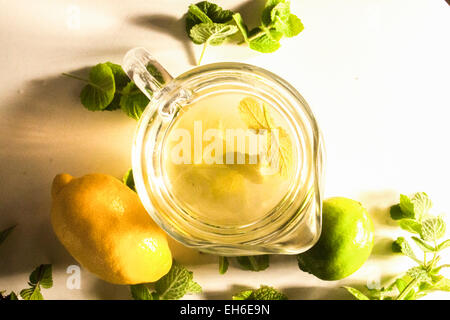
(136, 63)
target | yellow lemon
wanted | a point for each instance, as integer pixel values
(104, 226)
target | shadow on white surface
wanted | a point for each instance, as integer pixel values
(169, 25)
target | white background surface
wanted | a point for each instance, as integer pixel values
(375, 73)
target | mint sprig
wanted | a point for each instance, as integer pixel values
(108, 88)
(209, 24)
(173, 286)
(40, 277)
(413, 216)
(263, 293)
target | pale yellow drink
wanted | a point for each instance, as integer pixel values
(224, 194)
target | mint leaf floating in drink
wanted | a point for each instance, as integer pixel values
(257, 117)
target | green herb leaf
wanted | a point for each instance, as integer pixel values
(423, 245)
(411, 225)
(267, 15)
(422, 204)
(133, 102)
(257, 117)
(419, 273)
(401, 245)
(141, 292)
(442, 285)
(223, 264)
(254, 263)
(443, 245)
(33, 293)
(42, 276)
(193, 288)
(433, 229)
(397, 213)
(120, 80)
(5, 233)
(241, 25)
(205, 12)
(407, 207)
(266, 42)
(128, 180)
(212, 33)
(263, 293)
(243, 295)
(99, 92)
(176, 283)
(357, 294)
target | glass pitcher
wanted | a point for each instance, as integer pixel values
(223, 208)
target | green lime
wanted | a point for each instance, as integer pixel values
(345, 243)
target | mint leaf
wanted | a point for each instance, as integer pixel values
(133, 102)
(265, 43)
(212, 33)
(243, 295)
(99, 92)
(205, 12)
(5, 233)
(401, 245)
(120, 80)
(254, 263)
(419, 273)
(357, 294)
(128, 180)
(193, 288)
(176, 283)
(422, 204)
(442, 285)
(292, 27)
(33, 293)
(411, 226)
(267, 17)
(141, 292)
(41, 276)
(397, 213)
(443, 245)
(433, 229)
(423, 245)
(241, 25)
(223, 265)
(407, 207)
(263, 293)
